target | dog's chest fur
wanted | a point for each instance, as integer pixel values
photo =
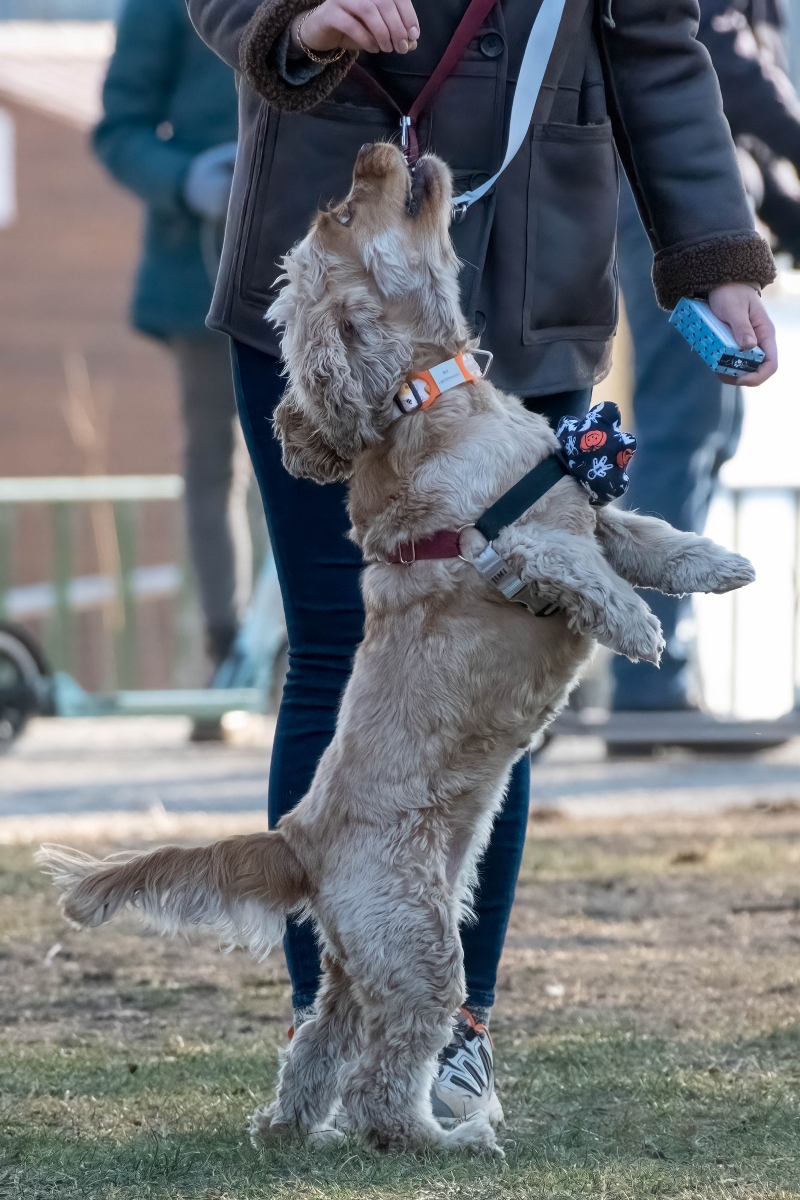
(451, 681)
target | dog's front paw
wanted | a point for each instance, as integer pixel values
(728, 572)
(635, 632)
(705, 567)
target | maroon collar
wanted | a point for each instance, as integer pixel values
(442, 544)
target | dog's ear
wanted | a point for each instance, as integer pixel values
(343, 363)
(306, 454)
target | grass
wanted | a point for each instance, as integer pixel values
(647, 1041)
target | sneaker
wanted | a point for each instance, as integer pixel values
(465, 1083)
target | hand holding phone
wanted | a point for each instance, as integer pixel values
(729, 347)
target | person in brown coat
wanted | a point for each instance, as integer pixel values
(627, 81)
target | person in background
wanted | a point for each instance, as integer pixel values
(169, 134)
(687, 420)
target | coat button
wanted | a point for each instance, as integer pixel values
(492, 45)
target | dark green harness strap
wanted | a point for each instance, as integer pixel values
(518, 499)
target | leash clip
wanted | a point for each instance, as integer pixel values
(405, 126)
(487, 354)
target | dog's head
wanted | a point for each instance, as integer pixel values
(370, 290)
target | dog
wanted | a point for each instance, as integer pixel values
(450, 685)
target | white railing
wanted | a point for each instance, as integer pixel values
(749, 641)
(121, 582)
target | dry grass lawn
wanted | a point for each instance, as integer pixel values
(647, 1036)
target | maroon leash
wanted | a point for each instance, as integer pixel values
(469, 25)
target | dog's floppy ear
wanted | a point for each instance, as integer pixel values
(305, 451)
(342, 363)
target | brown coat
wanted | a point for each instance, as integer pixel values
(539, 279)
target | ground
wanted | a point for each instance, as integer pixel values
(646, 1033)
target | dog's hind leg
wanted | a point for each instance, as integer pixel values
(408, 1019)
(308, 1084)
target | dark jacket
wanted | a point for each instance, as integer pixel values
(539, 279)
(166, 98)
(744, 39)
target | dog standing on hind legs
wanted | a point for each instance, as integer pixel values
(449, 686)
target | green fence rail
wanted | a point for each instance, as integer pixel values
(115, 507)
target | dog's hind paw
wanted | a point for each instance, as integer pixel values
(325, 1135)
(264, 1130)
(474, 1134)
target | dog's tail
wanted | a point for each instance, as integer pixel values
(242, 887)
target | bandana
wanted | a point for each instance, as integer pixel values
(597, 452)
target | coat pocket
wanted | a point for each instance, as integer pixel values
(571, 275)
(305, 163)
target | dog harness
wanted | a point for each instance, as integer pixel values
(594, 451)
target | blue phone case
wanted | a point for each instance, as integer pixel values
(712, 340)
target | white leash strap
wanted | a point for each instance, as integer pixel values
(534, 64)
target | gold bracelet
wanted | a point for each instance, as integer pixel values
(329, 57)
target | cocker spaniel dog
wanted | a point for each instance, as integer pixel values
(449, 686)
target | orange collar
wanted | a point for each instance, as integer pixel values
(422, 388)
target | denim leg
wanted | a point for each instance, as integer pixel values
(688, 424)
(483, 939)
(318, 568)
(497, 874)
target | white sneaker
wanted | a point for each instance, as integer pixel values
(465, 1083)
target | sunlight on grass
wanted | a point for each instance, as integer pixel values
(590, 1114)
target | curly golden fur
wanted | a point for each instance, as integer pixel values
(448, 687)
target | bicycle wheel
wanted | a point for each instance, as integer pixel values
(23, 671)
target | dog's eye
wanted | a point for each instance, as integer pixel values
(344, 216)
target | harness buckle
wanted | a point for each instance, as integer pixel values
(494, 568)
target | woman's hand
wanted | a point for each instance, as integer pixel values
(371, 25)
(740, 307)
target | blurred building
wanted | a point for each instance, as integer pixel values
(80, 392)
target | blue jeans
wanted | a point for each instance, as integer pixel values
(688, 424)
(318, 569)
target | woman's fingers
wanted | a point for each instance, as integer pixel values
(402, 30)
(731, 304)
(332, 26)
(764, 332)
(742, 310)
(371, 17)
(382, 18)
(409, 18)
(355, 36)
(370, 25)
